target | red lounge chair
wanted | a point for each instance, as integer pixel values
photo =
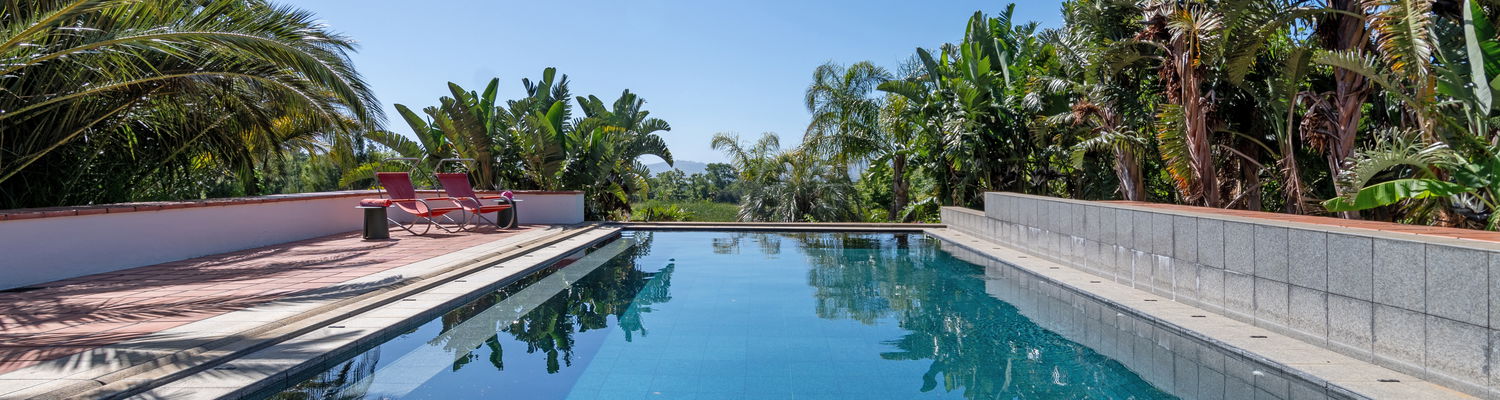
(456, 186)
(397, 186)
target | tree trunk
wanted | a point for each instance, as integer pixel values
(1250, 175)
(1291, 186)
(1195, 111)
(1128, 171)
(899, 185)
(486, 177)
(1351, 89)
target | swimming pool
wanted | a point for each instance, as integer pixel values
(734, 315)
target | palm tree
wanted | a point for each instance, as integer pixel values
(1332, 122)
(845, 118)
(1185, 31)
(795, 185)
(127, 74)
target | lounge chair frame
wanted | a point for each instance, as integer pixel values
(421, 210)
(463, 195)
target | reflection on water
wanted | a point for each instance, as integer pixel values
(974, 343)
(737, 315)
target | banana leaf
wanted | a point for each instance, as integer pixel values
(1391, 192)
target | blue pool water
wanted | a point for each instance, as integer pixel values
(659, 315)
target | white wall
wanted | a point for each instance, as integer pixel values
(45, 249)
(539, 208)
(40, 250)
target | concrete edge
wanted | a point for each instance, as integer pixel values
(1373, 233)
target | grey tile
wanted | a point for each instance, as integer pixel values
(1308, 311)
(1124, 265)
(1211, 242)
(1271, 252)
(1185, 238)
(1303, 390)
(1143, 236)
(1105, 257)
(1161, 234)
(1163, 276)
(1237, 368)
(1400, 279)
(1093, 230)
(1455, 279)
(1307, 258)
(1211, 287)
(1142, 265)
(1349, 325)
(1351, 268)
(1457, 350)
(1239, 247)
(1107, 233)
(1271, 301)
(1185, 375)
(1272, 383)
(1239, 294)
(1124, 228)
(1494, 360)
(1076, 221)
(1236, 389)
(1399, 338)
(1185, 280)
(1210, 385)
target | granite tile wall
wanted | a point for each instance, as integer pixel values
(1422, 305)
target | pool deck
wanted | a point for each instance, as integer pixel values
(117, 324)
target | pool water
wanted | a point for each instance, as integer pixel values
(659, 315)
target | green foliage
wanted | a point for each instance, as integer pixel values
(1208, 102)
(662, 213)
(112, 100)
(704, 211)
(533, 142)
(797, 185)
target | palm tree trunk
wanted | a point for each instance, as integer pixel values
(1250, 176)
(486, 159)
(1350, 91)
(1128, 170)
(1291, 186)
(899, 185)
(1199, 149)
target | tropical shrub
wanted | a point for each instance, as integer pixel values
(662, 213)
(533, 142)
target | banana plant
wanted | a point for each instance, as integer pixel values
(1463, 176)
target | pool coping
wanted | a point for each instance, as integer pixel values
(1338, 373)
(347, 329)
(204, 344)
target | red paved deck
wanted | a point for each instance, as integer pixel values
(1457, 233)
(75, 315)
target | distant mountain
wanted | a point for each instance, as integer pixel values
(687, 167)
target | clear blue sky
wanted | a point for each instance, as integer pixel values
(703, 66)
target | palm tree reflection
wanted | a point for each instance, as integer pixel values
(618, 289)
(976, 344)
